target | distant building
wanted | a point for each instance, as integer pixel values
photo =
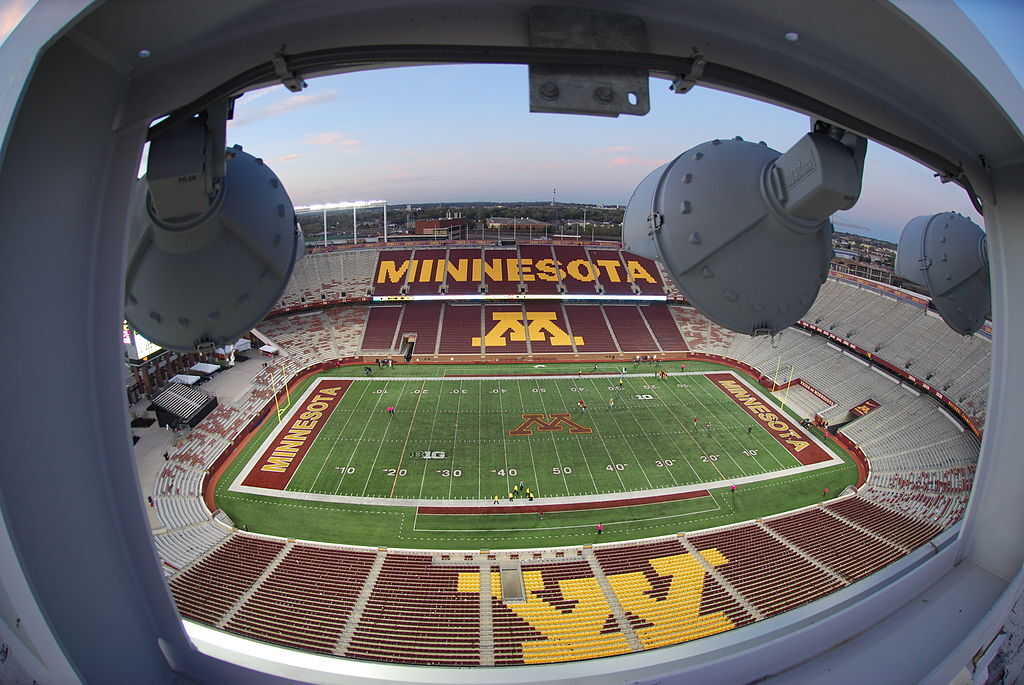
(874, 272)
(440, 228)
(495, 223)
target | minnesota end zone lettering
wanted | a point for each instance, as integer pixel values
(498, 269)
(296, 435)
(555, 422)
(778, 426)
(541, 326)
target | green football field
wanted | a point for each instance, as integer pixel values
(449, 439)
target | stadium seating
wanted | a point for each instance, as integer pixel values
(462, 323)
(663, 326)
(448, 609)
(588, 322)
(629, 328)
(421, 318)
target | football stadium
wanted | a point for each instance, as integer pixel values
(450, 461)
(462, 457)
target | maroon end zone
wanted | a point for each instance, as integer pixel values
(295, 436)
(568, 506)
(779, 426)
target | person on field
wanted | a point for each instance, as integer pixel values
(495, 499)
(600, 528)
(611, 403)
(391, 411)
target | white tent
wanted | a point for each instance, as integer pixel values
(203, 367)
(184, 379)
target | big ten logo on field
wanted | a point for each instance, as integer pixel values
(554, 422)
(428, 455)
(514, 269)
(540, 326)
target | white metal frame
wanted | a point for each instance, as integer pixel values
(79, 566)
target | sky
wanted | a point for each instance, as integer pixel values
(465, 133)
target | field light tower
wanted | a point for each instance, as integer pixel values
(212, 240)
(743, 229)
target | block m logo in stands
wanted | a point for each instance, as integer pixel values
(541, 326)
(555, 422)
(865, 407)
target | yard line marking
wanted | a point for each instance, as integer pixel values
(334, 444)
(405, 445)
(629, 444)
(529, 443)
(583, 455)
(380, 444)
(430, 440)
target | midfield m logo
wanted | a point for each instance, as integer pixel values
(540, 326)
(554, 422)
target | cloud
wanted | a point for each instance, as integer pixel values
(289, 158)
(11, 15)
(332, 139)
(614, 149)
(246, 113)
(633, 161)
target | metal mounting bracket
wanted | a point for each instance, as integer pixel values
(686, 82)
(587, 89)
(289, 79)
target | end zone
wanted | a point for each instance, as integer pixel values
(278, 458)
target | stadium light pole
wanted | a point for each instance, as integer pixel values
(385, 221)
(325, 227)
(354, 239)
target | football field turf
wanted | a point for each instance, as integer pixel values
(365, 479)
(472, 438)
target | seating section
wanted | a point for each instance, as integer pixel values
(461, 326)
(579, 273)
(419, 613)
(392, 272)
(663, 326)
(543, 277)
(650, 279)
(852, 553)
(751, 550)
(549, 339)
(306, 600)
(630, 329)
(354, 272)
(468, 281)
(614, 278)
(430, 272)
(421, 318)
(380, 328)
(328, 277)
(500, 274)
(207, 590)
(500, 338)
(588, 322)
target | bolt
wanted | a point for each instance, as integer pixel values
(604, 94)
(548, 90)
